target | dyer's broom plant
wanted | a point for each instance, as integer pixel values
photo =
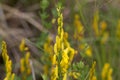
(118, 30)
(95, 23)
(25, 67)
(8, 63)
(63, 53)
(106, 73)
(79, 36)
(100, 30)
(92, 72)
(47, 57)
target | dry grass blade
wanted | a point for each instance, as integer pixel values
(26, 17)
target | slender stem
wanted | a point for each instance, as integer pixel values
(33, 72)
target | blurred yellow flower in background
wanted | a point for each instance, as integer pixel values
(79, 30)
(95, 23)
(106, 72)
(118, 30)
(92, 72)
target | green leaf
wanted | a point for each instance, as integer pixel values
(44, 77)
(48, 25)
(81, 64)
(44, 15)
(44, 4)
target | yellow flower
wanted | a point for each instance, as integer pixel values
(7, 76)
(57, 45)
(61, 58)
(94, 78)
(8, 63)
(82, 46)
(60, 20)
(64, 62)
(54, 60)
(110, 74)
(27, 62)
(54, 69)
(65, 76)
(13, 77)
(104, 37)
(75, 75)
(89, 51)
(54, 74)
(27, 56)
(71, 54)
(8, 66)
(118, 30)
(78, 24)
(95, 23)
(65, 37)
(103, 26)
(53, 21)
(22, 68)
(92, 71)
(25, 66)
(48, 47)
(106, 72)
(24, 62)
(79, 31)
(55, 48)
(4, 51)
(22, 45)
(26, 48)
(28, 71)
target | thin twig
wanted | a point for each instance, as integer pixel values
(33, 72)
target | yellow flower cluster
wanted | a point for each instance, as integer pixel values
(118, 30)
(103, 32)
(96, 28)
(22, 46)
(54, 75)
(95, 23)
(75, 75)
(100, 31)
(107, 72)
(87, 48)
(103, 27)
(48, 48)
(25, 66)
(24, 62)
(79, 35)
(63, 52)
(8, 63)
(92, 72)
(79, 30)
